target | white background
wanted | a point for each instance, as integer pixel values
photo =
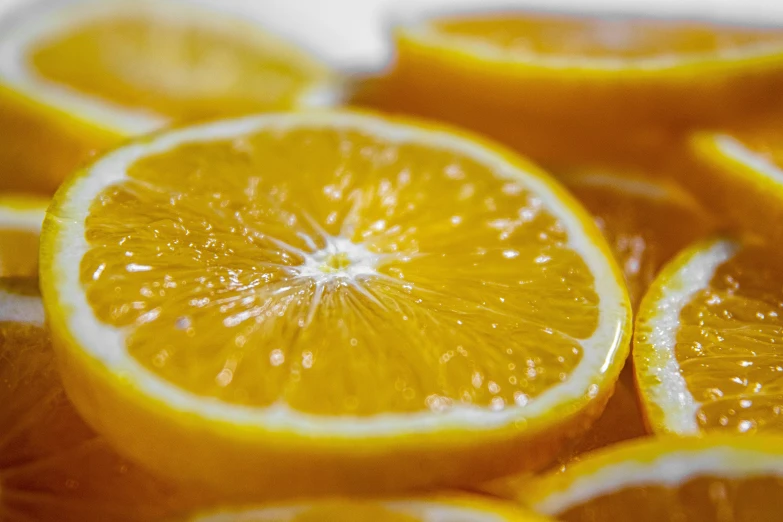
(351, 34)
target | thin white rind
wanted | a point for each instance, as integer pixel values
(106, 344)
(47, 19)
(671, 469)
(16, 215)
(734, 149)
(678, 406)
(17, 308)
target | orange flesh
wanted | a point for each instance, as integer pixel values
(728, 346)
(475, 297)
(602, 37)
(704, 499)
(18, 253)
(186, 72)
(52, 466)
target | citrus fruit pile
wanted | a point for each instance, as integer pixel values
(274, 308)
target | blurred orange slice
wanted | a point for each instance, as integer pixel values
(331, 301)
(607, 71)
(21, 218)
(709, 479)
(741, 175)
(706, 344)
(76, 76)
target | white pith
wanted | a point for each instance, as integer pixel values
(17, 308)
(424, 511)
(49, 19)
(734, 149)
(676, 402)
(106, 344)
(418, 26)
(17, 215)
(671, 469)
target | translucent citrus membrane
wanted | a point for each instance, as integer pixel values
(573, 36)
(52, 466)
(178, 69)
(728, 345)
(337, 273)
(702, 499)
(18, 253)
(646, 222)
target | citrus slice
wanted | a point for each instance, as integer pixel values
(705, 349)
(715, 478)
(78, 75)
(330, 301)
(599, 70)
(435, 509)
(742, 175)
(20, 225)
(52, 466)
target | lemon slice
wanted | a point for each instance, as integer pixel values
(739, 174)
(609, 72)
(705, 350)
(713, 478)
(52, 466)
(330, 301)
(21, 218)
(433, 509)
(79, 75)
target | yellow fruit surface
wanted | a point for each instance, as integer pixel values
(335, 294)
(79, 77)
(425, 509)
(709, 479)
(20, 225)
(706, 343)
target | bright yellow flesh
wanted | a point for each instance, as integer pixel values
(446, 284)
(52, 466)
(703, 499)
(179, 70)
(646, 222)
(575, 37)
(728, 345)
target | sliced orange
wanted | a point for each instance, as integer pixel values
(646, 221)
(330, 302)
(577, 69)
(77, 76)
(52, 466)
(461, 508)
(706, 345)
(742, 175)
(20, 225)
(707, 479)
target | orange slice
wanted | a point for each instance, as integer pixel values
(434, 509)
(77, 76)
(646, 221)
(705, 348)
(52, 466)
(742, 175)
(710, 479)
(598, 70)
(330, 301)
(20, 225)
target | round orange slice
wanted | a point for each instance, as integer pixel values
(21, 218)
(461, 508)
(705, 348)
(711, 479)
(741, 175)
(52, 466)
(330, 302)
(79, 75)
(608, 72)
